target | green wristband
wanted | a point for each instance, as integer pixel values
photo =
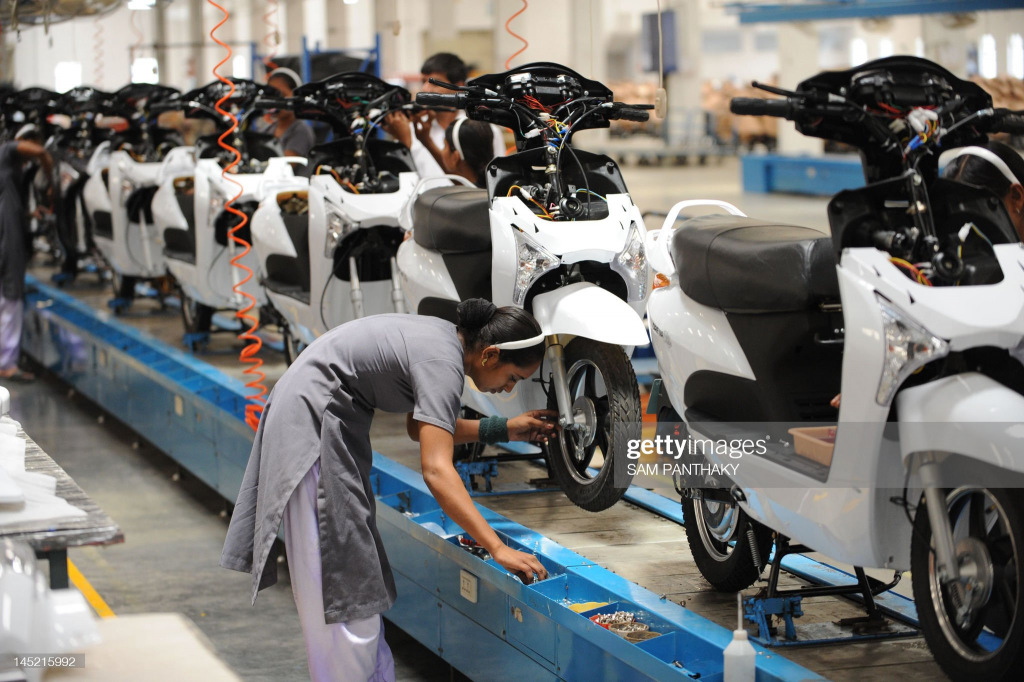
(493, 430)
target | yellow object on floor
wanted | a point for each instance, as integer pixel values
(587, 606)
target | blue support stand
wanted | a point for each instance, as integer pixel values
(196, 342)
(488, 468)
(119, 305)
(62, 278)
(759, 611)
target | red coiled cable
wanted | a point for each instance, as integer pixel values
(253, 342)
(526, 44)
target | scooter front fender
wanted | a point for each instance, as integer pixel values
(585, 309)
(969, 415)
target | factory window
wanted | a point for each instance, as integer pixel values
(145, 70)
(988, 62)
(241, 66)
(1015, 56)
(919, 47)
(885, 48)
(67, 75)
(858, 51)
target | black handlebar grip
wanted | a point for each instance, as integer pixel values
(632, 114)
(754, 106)
(1007, 121)
(437, 99)
(271, 103)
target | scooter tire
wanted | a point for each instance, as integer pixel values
(599, 492)
(196, 317)
(1004, 663)
(737, 571)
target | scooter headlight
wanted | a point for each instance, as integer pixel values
(631, 264)
(908, 347)
(338, 227)
(534, 261)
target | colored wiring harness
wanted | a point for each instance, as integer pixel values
(253, 342)
(512, 33)
(918, 276)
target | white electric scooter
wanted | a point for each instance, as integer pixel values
(555, 232)
(120, 181)
(189, 208)
(327, 245)
(926, 277)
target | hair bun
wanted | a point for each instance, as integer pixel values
(474, 313)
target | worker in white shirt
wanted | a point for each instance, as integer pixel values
(447, 67)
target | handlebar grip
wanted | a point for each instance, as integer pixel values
(437, 99)
(631, 114)
(754, 106)
(1008, 121)
(271, 103)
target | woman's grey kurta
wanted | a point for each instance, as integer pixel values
(322, 408)
(13, 246)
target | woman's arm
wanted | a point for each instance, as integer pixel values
(535, 425)
(439, 474)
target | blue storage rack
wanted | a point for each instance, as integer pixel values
(511, 631)
(815, 175)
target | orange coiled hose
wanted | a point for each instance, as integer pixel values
(273, 39)
(253, 342)
(526, 44)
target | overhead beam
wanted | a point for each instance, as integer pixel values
(753, 13)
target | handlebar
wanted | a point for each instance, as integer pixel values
(435, 99)
(754, 106)
(271, 103)
(627, 113)
(1007, 121)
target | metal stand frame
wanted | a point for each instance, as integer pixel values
(771, 602)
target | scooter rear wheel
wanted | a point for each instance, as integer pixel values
(716, 532)
(196, 317)
(601, 379)
(292, 345)
(986, 642)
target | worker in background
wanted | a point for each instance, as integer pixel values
(466, 151)
(14, 251)
(295, 136)
(311, 460)
(410, 131)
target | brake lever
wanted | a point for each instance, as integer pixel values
(774, 90)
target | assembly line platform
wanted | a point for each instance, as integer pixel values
(468, 610)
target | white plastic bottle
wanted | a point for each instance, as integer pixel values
(740, 657)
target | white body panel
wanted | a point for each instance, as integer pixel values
(135, 250)
(852, 519)
(330, 301)
(212, 278)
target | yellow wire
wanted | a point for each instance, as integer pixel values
(539, 205)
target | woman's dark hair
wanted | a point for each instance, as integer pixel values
(974, 170)
(476, 140)
(484, 324)
(453, 68)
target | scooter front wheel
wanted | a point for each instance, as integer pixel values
(196, 317)
(974, 626)
(601, 383)
(292, 346)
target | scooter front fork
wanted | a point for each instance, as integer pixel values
(397, 299)
(356, 291)
(568, 416)
(946, 565)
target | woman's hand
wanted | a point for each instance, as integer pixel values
(524, 565)
(533, 426)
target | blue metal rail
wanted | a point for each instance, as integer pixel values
(820, 10)
(470, 611)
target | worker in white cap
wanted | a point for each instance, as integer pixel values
(295, 136)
